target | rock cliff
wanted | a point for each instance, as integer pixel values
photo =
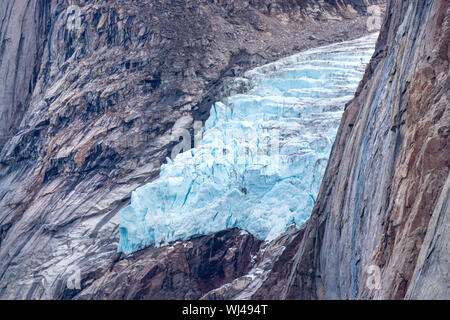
(93, 96)
(380, 227)
(89, 112)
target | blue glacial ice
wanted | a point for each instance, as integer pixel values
(263, 154)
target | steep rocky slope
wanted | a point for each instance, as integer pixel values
(184, 270)
(380, 228)
(89, 111)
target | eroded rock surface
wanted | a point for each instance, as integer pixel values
(88, 114)
(184, 270)
(270, 272)
(380, 227)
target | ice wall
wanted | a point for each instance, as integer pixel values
(263, 154)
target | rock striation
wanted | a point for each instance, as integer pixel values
(88, 112)
(93, 97)
(380, 228)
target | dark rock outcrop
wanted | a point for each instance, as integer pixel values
(269, 274)
(89, 112)
(184, 270)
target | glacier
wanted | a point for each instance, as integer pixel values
(262, 157)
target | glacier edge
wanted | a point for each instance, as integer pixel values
(262, 157)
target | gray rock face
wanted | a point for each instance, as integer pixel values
(380, 228)
(89, 111)
(22, 35)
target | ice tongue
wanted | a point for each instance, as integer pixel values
(263, 154)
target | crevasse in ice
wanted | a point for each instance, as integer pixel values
(262, 157)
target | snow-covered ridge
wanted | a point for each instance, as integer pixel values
(263, 155)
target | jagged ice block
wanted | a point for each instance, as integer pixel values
(263, 154)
